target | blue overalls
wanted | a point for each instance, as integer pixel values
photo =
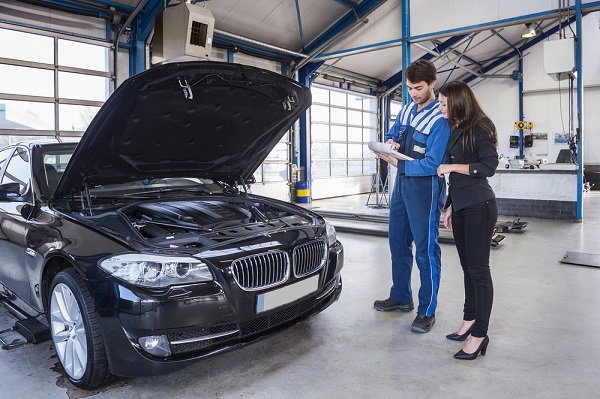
(416, 202)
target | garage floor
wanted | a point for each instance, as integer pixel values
(543, 334)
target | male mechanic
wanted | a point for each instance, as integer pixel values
(421, 132)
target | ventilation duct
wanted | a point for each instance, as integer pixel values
(181, 32)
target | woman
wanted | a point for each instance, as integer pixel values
(471, 211)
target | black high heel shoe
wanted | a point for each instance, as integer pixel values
(462, 355)
(456, 337)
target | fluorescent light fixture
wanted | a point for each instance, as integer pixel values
(529, 31)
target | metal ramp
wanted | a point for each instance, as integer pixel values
(25, 330)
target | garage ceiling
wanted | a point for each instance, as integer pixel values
(358, 38)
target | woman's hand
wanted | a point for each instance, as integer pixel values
(448, 218)
(444, 169)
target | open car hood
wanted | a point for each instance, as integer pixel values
(193, 119)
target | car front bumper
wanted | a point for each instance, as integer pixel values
(204, 325)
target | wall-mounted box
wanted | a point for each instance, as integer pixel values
(185, 30)
(559, 58)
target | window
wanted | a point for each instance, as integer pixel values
(17, 170)
(50, 85)
(342, 124)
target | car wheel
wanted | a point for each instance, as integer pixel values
(75, 332)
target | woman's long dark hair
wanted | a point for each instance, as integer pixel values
(465, 113)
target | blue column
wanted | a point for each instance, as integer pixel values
(579, 135)
(521, 116)
(304, 151)
(405, 46)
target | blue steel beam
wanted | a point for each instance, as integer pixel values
(362, 9)
(300, 25)
(518, 51)
(397, 78)
(585, 8)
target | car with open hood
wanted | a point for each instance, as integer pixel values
(140, 248)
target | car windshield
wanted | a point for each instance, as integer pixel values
(56, 160)
(161, 185)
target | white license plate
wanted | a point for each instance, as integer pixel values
(273, 299)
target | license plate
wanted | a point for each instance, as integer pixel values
(273, 299)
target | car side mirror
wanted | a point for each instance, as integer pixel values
(250, 180)
(10, 191)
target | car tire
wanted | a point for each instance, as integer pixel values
(75, 332)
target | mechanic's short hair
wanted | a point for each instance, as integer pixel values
(421, 71)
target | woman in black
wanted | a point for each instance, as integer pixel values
(471, 211)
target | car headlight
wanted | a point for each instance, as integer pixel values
(330, 233)
(156, 271)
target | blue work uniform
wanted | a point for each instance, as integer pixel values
(416, 203)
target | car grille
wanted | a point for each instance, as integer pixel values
(309, 258)
(261, 271)
(198, 338)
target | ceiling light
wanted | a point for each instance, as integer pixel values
(529, 31)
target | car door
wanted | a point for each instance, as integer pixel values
(14, 275)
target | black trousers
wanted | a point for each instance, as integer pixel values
(473, 228)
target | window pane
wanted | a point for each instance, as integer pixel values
(367, 153)
(338, 115)
(75, 117)
(338, 133)
(27, 115)
(319, 132)
(355, 150)
(82, 87)
(82, 55)
(395, 108)
(275, 172)
(355, 101)
(354, 168)
(338, 98)
(339, 150)
(370, 104)
(369, 119)
(38, 49)
(27, 81)
(355, 118)
(338, 168)
(320, 169)
(369, 166)
(320, 95)
(369, 135)
(354, 134)
(258, 175)
(280, 152)
(319, 113)
(320, 150)
(18, 170)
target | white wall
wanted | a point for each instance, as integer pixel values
(542, 102)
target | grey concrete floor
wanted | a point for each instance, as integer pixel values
(543, 333)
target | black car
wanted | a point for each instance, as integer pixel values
(141, 248)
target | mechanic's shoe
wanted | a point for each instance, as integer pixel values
(390, 304)
(422, 323)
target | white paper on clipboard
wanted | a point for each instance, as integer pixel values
(387, 149)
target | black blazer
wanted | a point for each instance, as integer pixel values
(466, 190)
